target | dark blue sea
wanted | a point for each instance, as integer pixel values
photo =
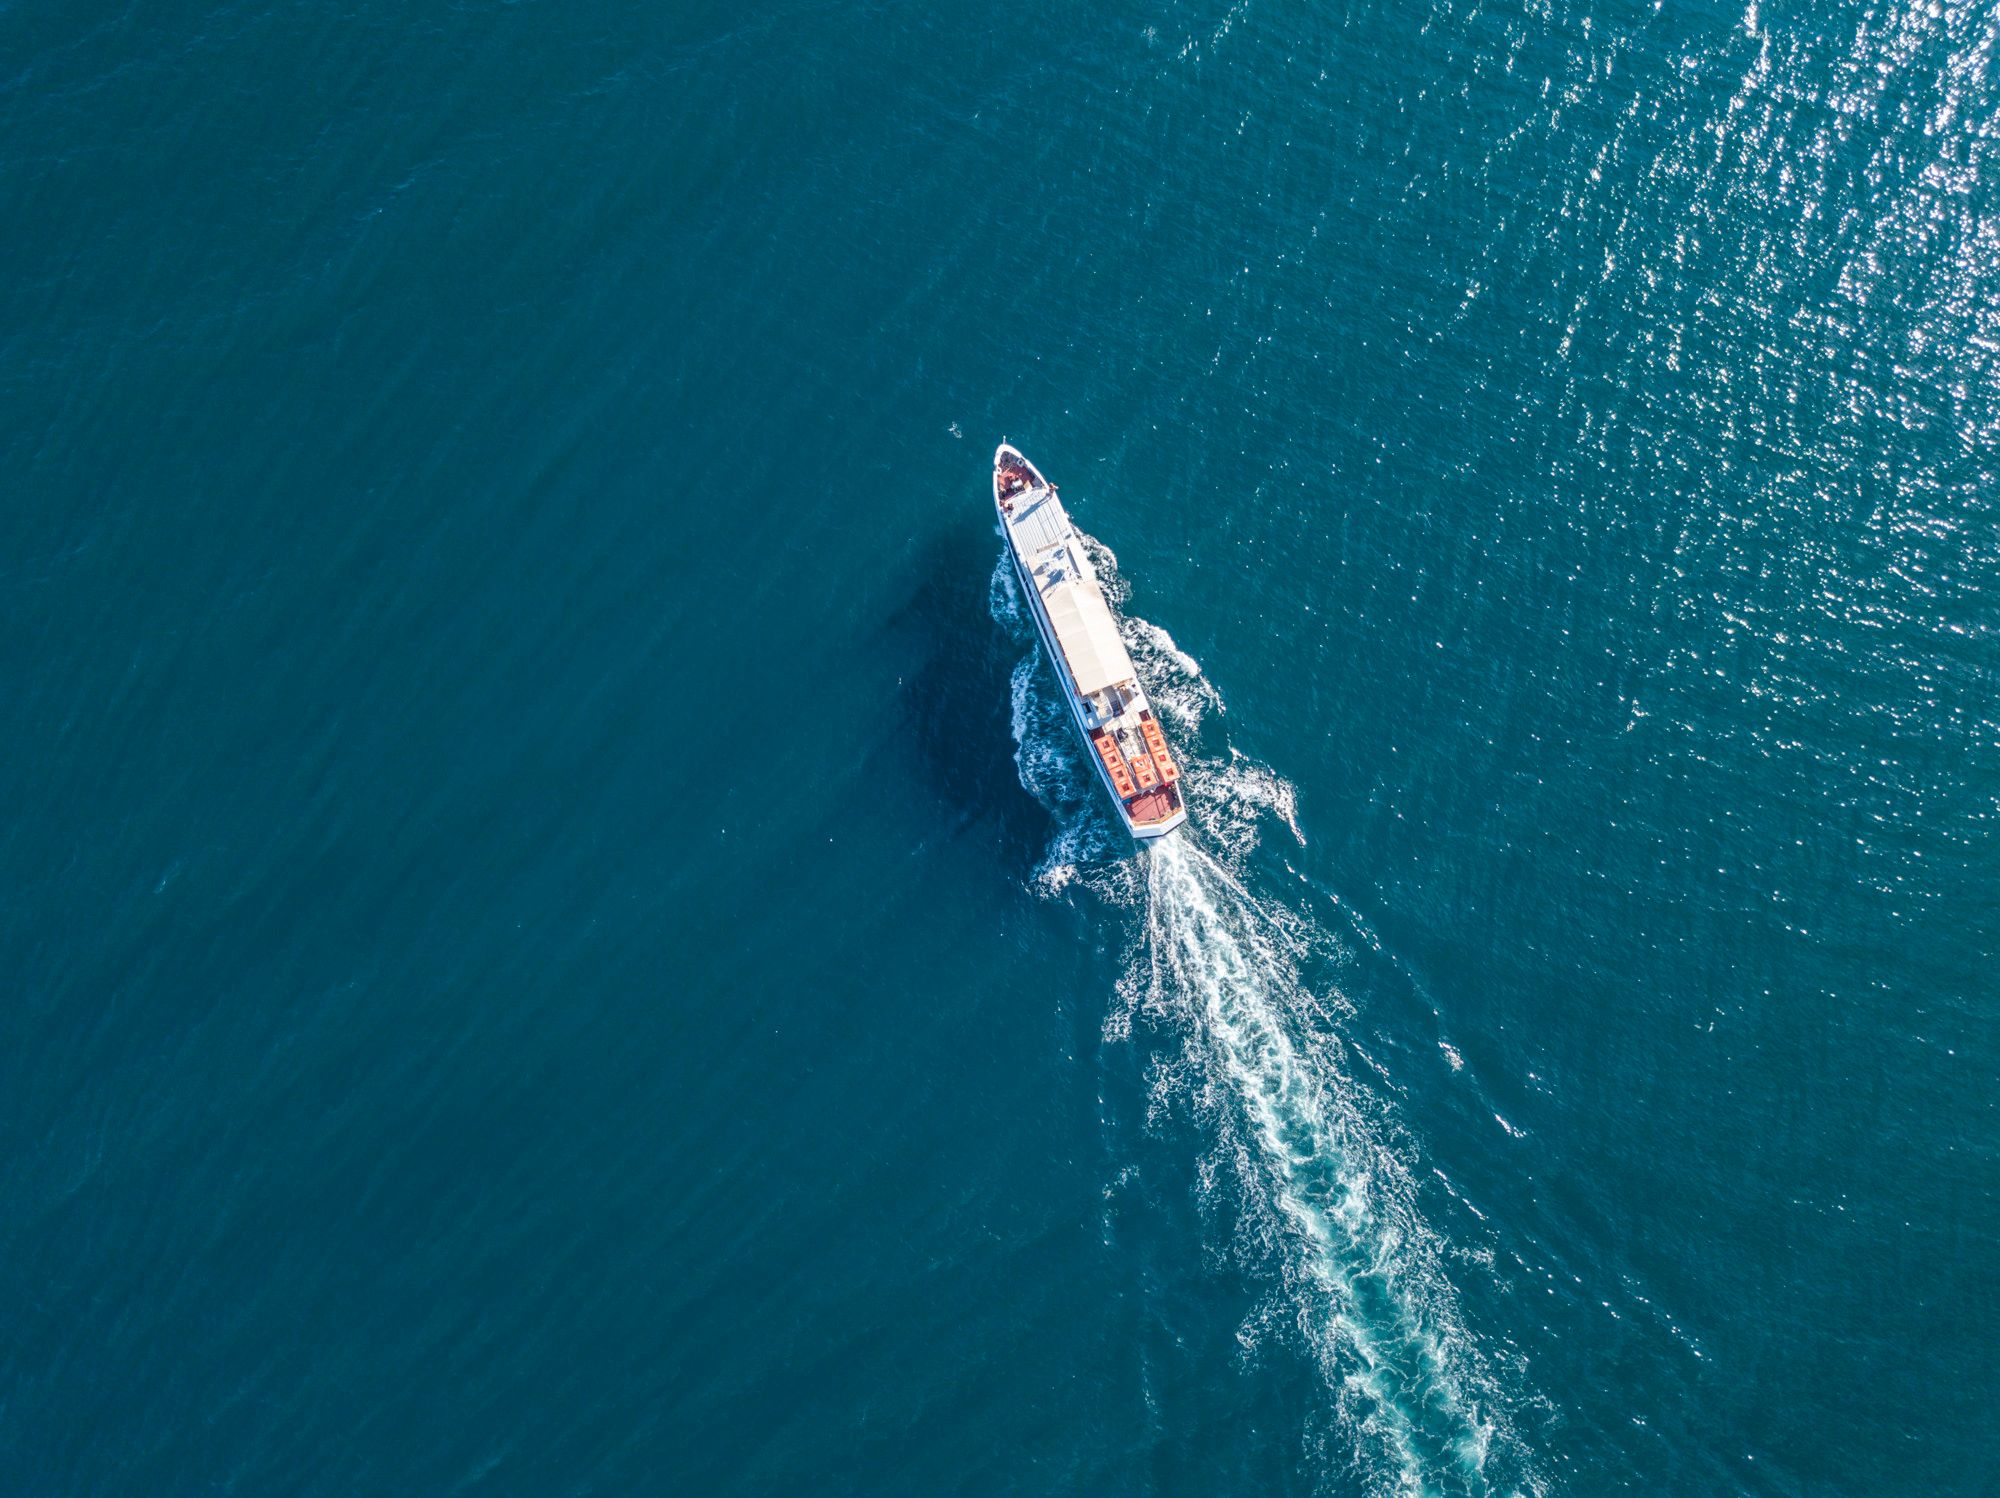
(554, 939)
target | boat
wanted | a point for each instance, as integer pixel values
(1121, 735)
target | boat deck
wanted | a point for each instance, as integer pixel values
(1083, 636)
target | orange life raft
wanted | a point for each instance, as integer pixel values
(1157, 742)
(1121, 774)
(1142, 771)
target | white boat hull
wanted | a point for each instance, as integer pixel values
(1115, 713)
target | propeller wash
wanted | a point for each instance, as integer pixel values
(1312, 1152)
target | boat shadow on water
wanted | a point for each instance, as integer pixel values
(955, 714)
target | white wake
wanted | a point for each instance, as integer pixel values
(1241, 982)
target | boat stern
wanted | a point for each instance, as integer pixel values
(1155, 813)
(1159, 807)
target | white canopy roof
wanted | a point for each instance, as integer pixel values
(1088, 636)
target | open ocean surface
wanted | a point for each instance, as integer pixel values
(555, 941)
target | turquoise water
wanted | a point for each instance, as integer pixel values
(556, 942)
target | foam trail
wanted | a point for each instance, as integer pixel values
(1230, 974)
(1362, 1269)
